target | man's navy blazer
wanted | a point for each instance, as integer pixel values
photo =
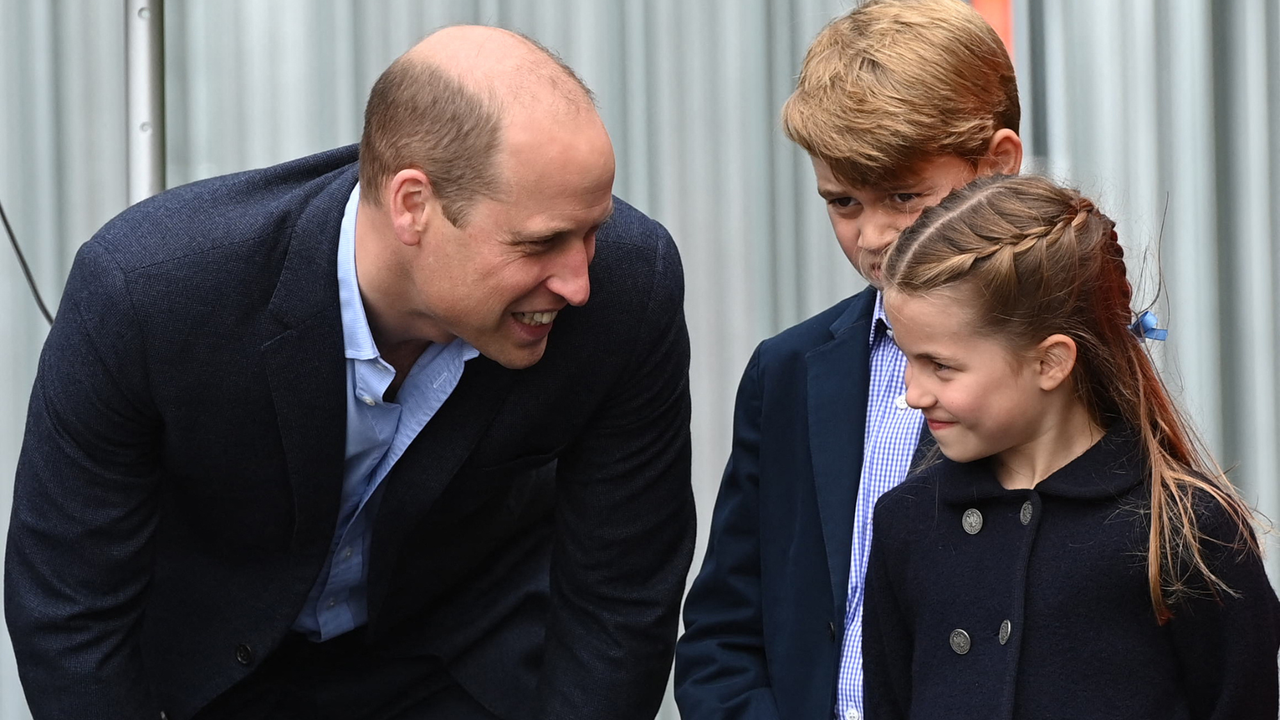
(764, 620)
(178, 487)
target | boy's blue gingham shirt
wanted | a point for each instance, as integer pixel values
(893, 431)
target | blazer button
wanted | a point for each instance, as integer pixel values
(960, 641)
(163, 716)
(831, 627)
(244, 654)
(972, 521)
(1025, 515)
(1006, 628)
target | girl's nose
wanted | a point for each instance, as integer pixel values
(917, 395)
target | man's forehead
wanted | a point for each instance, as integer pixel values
(523, 223)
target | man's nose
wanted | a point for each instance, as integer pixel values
(571, 278)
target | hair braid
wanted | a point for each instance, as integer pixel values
(1042, 260)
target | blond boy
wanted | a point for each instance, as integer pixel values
(898, 103)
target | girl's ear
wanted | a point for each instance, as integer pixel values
(1055, 358)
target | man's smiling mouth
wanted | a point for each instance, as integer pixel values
(536, 318)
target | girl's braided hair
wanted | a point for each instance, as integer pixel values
(1041, 259)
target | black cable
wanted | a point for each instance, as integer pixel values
(25, 270)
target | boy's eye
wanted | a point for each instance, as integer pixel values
(939, 367)
(904, 198)
(842, 202)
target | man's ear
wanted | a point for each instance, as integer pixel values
(1055, 358)
(1004, 154)
(411, 204)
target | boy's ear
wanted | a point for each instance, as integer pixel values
(1055, 359)
(1004, 154)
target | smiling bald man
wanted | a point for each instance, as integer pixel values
(399, 431)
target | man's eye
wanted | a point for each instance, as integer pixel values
(538, 244)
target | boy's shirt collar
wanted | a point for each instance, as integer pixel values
(879, 320)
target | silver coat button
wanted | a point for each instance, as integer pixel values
(1006, 627)
(972, 521)
(1025, 515)
(960, 641)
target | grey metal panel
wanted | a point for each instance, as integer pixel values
(1190, 178)
(1268, 499)
(1253, 429)
(1178, 99)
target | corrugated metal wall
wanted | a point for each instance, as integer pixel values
(1131, 99)
(1148, 103)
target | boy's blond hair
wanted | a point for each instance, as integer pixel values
(894, 82)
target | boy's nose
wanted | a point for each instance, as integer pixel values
(878, 232)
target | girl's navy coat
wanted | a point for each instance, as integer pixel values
(989, 603)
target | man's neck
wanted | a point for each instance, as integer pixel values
(387, 293)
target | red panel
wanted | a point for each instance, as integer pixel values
(999, 13)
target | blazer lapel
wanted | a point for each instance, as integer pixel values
(306, 367)
(839, 375)
(307, 372)
(431, 461)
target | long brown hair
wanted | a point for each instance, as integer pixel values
(1042, 260)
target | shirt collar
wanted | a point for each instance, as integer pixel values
(1110, 468)
(357, 339)
(879, 321)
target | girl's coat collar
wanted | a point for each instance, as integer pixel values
(1108, 469)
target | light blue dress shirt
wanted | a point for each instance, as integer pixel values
(377, 434)
(893, 431)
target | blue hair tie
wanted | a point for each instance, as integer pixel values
(1145, 327)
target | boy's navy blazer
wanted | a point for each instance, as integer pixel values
(178, 487)
(764, 620)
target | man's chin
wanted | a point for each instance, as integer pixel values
(515, 357)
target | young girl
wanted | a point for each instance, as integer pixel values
(1074, 555)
